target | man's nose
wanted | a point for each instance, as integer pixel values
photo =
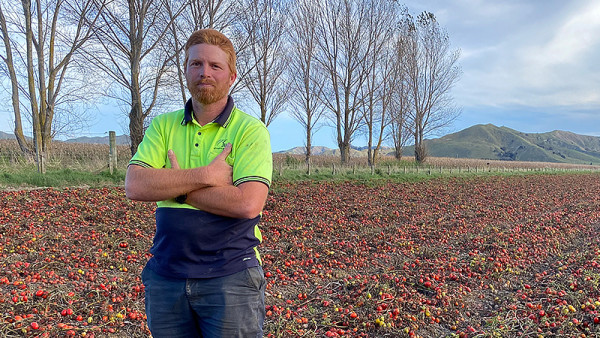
(204, 71)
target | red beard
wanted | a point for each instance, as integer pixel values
(208, 94)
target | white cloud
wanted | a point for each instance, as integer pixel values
(576, 37)
(520, 54)
(566, 62)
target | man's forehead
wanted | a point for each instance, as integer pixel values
(205, 49)
(208, 56)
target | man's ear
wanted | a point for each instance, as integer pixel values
(232, 78)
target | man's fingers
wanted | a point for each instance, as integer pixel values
(173, 159)
(225, 152)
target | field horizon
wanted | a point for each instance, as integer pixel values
(480, 141)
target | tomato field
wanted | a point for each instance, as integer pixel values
(502, 256)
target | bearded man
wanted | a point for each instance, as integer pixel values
(208, 167)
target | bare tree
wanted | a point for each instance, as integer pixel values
(198, 14)
(398, 97)
(382, 77)
(305, 81)
(130, 52)
(12, 75)
(399, 127)
(343, 47)
(54, 33)
(265, 60)
(215, 14)
(177, 36)
(432, 72)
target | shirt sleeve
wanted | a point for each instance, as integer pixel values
(253, 157)
(152, 152)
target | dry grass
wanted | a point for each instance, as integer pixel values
(445, 162)
(450, 162)
(94, 157)
(76, 156)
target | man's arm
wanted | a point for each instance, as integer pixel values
(244, 201)
(152, 185)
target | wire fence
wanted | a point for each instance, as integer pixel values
(388, 165)
(392, 170)
(63, 155)
(95, 157)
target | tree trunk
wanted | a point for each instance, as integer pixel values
(344, 151)
(370, 156)
(308, 144)
(420, 151)
(398, 153)
(39, 152)
(36, 125)
(25, 148)
(136, 114)
(18, 131)
(136, 126)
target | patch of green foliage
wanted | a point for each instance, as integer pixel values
(29, 177)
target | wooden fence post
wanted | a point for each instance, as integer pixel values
(112, 152)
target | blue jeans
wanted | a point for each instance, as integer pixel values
(229, 306)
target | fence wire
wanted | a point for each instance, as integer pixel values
(62, 155)
(95, 157)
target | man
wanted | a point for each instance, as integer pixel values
(209, 168)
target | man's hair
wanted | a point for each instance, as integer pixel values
(215, 38)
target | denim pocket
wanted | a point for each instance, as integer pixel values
(256, 277)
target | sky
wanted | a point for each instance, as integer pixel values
(530, 65)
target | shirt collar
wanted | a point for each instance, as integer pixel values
(221, 119)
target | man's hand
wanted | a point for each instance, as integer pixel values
(246, 200)
(222, 171)
(173, 159)
(152, 185)
(219, 171)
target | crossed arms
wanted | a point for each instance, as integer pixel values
(208, 188)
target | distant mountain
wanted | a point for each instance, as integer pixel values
(320, 150)
(502, 143)
(6, 136)
(480, 142)
(499, 143)
(120, 139)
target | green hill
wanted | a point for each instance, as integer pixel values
(502, 143)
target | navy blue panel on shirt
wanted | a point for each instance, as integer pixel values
(196, 244)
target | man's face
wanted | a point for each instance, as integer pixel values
(207, 73)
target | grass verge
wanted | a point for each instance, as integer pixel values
(29, 177)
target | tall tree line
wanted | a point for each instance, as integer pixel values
(364, 67)
(42, 42)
